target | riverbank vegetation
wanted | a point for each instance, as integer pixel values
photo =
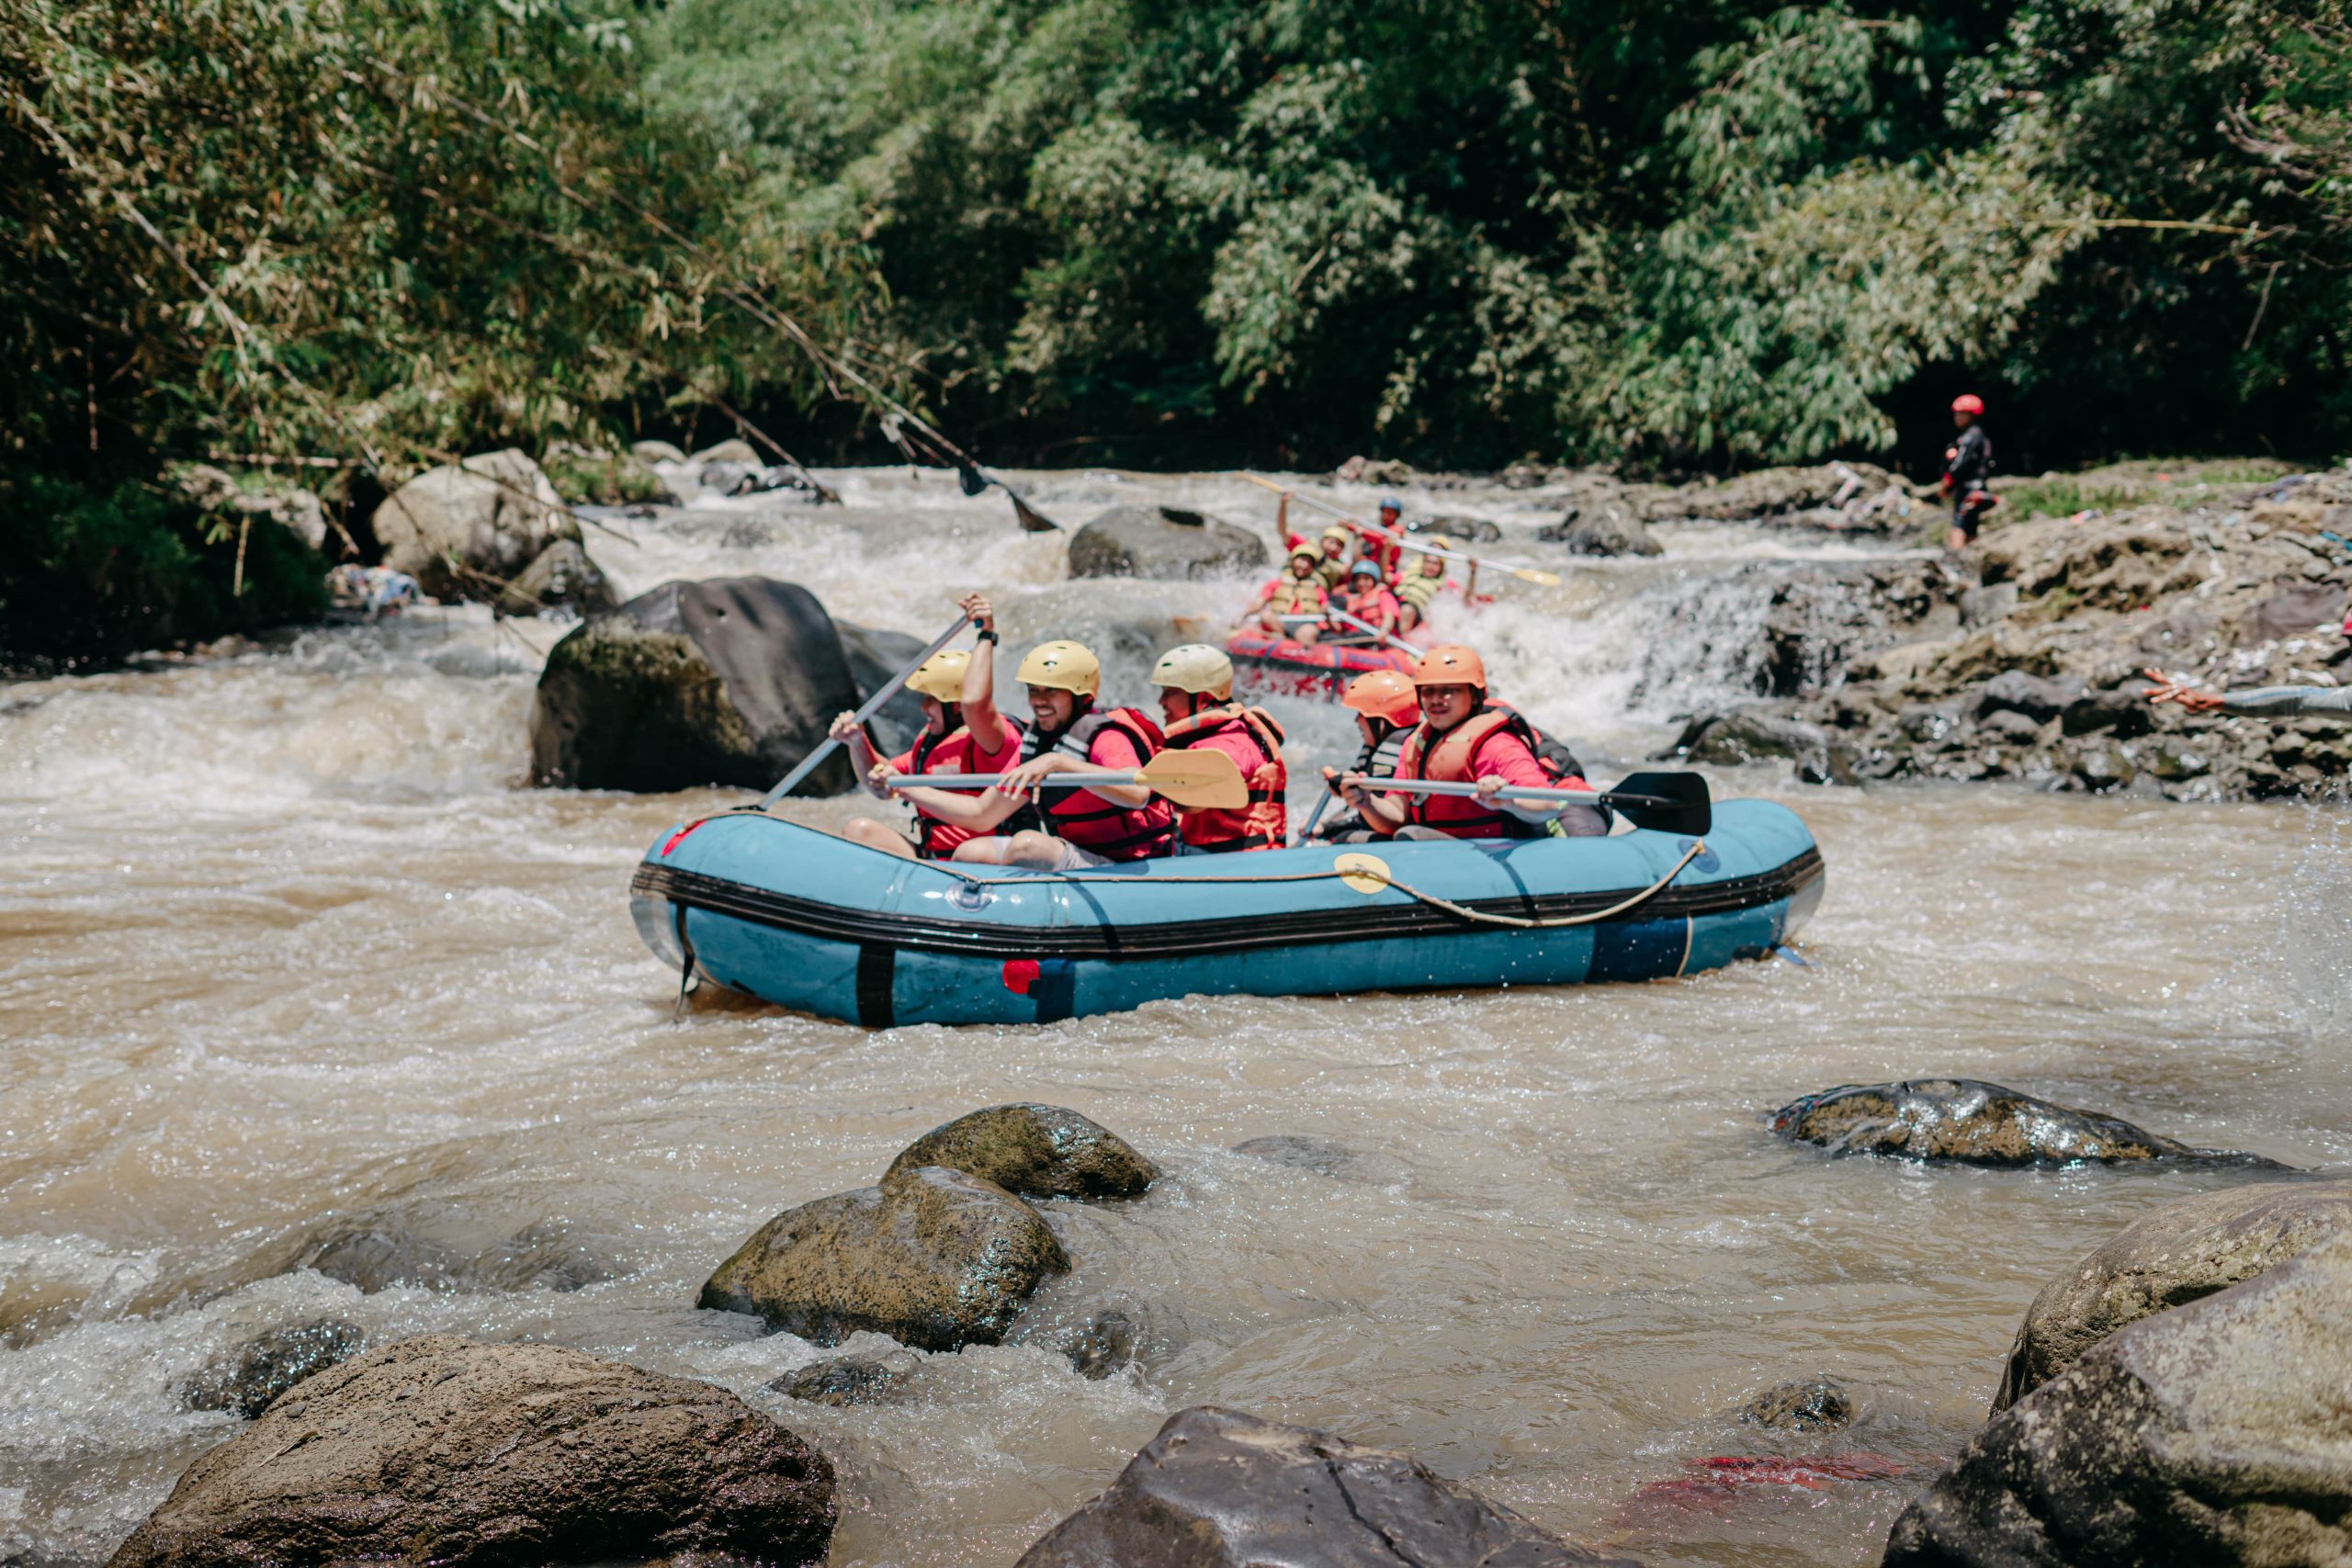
(1693, 234)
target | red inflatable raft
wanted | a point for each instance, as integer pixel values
(1322, 669)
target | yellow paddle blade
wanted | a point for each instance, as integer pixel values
(1541, 579)
(1201, 778)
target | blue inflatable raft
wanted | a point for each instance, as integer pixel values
(815, 923)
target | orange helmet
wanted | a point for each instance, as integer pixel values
(1450, 664)
(1385, 694)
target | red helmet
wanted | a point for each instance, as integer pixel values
(1968, 402)
(1387, 694)
(1450, 664)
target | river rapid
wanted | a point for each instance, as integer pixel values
(288, 951)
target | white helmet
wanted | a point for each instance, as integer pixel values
(1195, 667)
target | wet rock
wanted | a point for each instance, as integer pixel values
(1824, 490)
(561, 577)
(491, 517)
(656, 452)
(1459, 529)
(2008, 727)
(1163, 543)
(1808, 1405)
(2015, 690)
(1105, 1344)
(845, 1381)
(725, 682)
(1219, 1489)
(257, 1372)
(934, 1259)
(2123, 715)
(1611, 532)
(2167, 1257)
(261, 497)
(469, 1455)
(1970, 1123)
(379, 1257)
(2216, 1433)
(1038, 1151)
(734, 449)
(1322, 1156)
(874, 657)
(1748, 734)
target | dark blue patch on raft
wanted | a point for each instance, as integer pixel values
(1643, 949)
(1055, 990)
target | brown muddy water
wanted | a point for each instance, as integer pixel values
(284, 953)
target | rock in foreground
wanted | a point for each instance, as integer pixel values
(1970, 1122)
(267, 1365)
(1806, 1405)
(1164, 543)
(2215, 1435)
(466, 1455)
(1038, 1151)
(466, 532)
(2172, 1256)
(935, 1259)
(1219, 1489)
(726, 682)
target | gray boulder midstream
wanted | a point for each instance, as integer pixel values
(466, 531)
(1219, 1489)
(734, 449)
(1970, 1123)
(1164, 543)
(466, 1455)
(877, 656)
(265, 1366)
(1748, 734)
(1037, 1151)
(2218, 1435)
(845, 1381)
(651, 452)
(726, 681)
(935, 1259)
(1609, 533)
(560, 577)
(2167, 1257)
(1104, 1344)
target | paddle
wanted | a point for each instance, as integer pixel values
(1668, 803)
(1200, 778)
(872, 706)
(1364, 626)
(1524, 574)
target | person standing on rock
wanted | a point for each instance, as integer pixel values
(1096, 825)
(1968, 468)
(959, 736)
(2268, 702)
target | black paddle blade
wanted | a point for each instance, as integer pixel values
(1667, 803)
(971, 478)
(1032, 520)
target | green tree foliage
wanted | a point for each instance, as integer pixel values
(1689, 231)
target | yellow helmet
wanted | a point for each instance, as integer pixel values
(941, 676)
(1336, 532)
(1062, 666)
(1195, 667)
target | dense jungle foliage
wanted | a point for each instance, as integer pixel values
(1670, 235)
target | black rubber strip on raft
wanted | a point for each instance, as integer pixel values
(1172, 939)
(877, 964)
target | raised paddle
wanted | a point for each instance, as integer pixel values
(1192, 777)
(1524, 574)
(888, 690)
(1668, 803)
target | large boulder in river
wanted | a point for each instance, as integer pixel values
(1609, 532)
(469, 1455)
(1037, 1151)
(1219, 1489)
(1969, 1123)
(1164, 543)
(2180, 1253)
(875, 658)
(2218, 1434)
(934, 1259)
(1751, 735)
(269, 1364)
(728, 681)
(465, 531)
(562, 577)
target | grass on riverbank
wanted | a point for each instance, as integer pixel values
(2145, 481)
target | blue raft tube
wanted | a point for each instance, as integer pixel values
(819, 925)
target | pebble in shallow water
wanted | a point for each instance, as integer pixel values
(1969, 1123)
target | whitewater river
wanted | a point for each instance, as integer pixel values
(286, 951)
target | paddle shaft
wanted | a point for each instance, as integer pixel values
(989, 780)
(872, 706)
(1347, 620)
(1563, 796)
(1376, 530)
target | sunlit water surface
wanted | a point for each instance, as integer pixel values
(286, 949)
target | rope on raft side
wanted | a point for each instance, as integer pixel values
(1517, 922)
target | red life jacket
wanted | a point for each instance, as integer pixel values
(952, 753)
(1447, 759)
(1264, 823)
(1086, 820)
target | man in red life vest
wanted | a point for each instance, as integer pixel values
(1097, 825)
(948, 744)
(1387, 551)
(1297, 591)
(1197, 708)
(1463, 740)
(1367, 599)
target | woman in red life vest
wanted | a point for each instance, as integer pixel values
(957, 738)
(1196, 705)
(1462, 740)
(1093, 825)
(1367, 600)
(1297, 591)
